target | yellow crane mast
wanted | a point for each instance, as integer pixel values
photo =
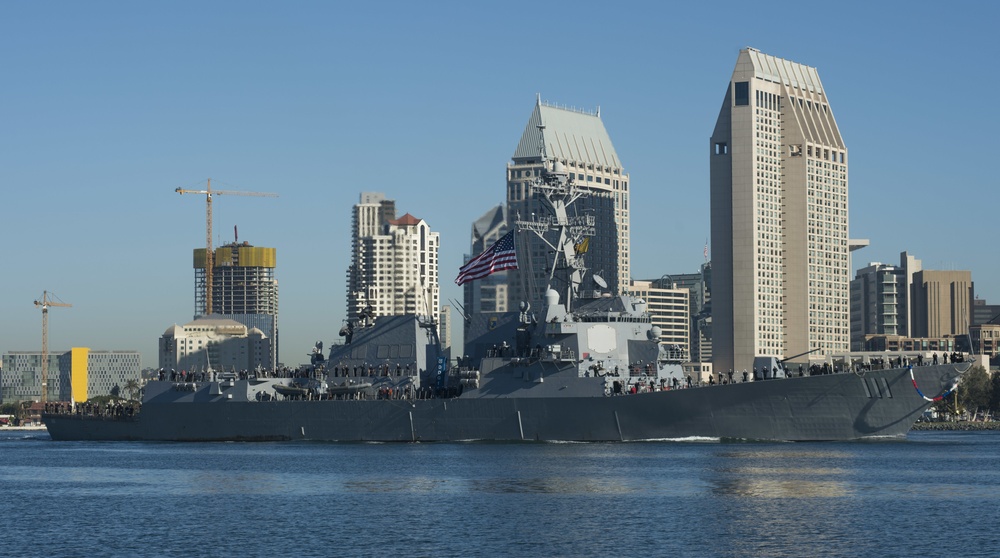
(45, 303)
(209, 256)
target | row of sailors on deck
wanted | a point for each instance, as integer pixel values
(384, 369)
(213, 375)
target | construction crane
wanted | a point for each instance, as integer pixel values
(45, 303)
(209, 256)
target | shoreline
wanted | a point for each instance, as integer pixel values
(964, 426)
(21, 428)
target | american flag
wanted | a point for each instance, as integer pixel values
(498, 257)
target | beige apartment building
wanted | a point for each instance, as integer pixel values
(394, 262)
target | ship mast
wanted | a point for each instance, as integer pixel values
(559, 192)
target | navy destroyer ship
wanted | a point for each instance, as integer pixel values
(584, 367)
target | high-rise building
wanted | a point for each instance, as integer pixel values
(371, 214)
(699, 285)
(876, 303)
(669, 310)
(579, 141)
(243, 288)
(881, 300)
(444, 328)
(394, 263)
(942, 303)
(780, 250)
(368, 219)
(983, 313)
(911, 303)
(488, 294)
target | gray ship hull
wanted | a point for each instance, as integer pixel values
(842, 406)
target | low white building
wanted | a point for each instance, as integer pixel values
(217, 343)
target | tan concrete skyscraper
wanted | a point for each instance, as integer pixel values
(780, 251)
(942, 303)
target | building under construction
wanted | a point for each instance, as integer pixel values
(243, 288)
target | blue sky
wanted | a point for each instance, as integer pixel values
(107, 107)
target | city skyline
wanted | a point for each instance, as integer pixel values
(111, 107)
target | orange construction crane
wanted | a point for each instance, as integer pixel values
(209, 256)
(45, 303)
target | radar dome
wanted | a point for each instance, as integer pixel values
(551, 297)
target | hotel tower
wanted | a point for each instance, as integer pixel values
(780, 250)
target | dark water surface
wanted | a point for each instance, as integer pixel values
(933, 494)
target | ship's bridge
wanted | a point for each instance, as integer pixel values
(611, 309)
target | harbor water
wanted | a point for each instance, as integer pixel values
(933, 493)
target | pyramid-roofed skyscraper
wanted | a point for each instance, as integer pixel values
(580, 142)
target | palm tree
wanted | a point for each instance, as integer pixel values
(132, 389)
